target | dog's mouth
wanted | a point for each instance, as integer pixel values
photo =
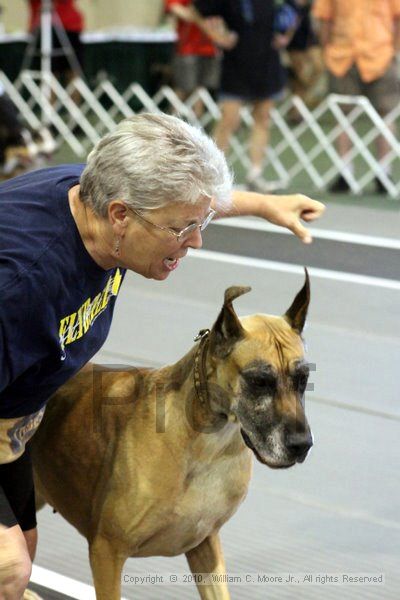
(262, 460)
(248, 443)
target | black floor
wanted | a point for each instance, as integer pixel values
(47, 594)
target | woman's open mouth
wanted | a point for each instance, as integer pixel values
(171, 263)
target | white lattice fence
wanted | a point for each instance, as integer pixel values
(304, 148)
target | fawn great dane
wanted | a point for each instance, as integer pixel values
(153, 462)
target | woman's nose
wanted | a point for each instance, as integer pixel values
(195, 240)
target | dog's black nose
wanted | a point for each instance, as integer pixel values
(299, 443)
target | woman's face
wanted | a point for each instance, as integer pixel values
(155, 253)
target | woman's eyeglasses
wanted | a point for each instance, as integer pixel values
(184, 233)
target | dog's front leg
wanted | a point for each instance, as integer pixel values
(106, 563)
(208, 558)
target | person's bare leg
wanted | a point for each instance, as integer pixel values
(70, 76)
(383, 147)
(198, 106)
(316, 63)
(260, 134)
(344, 146)
(15, 563)
(228, 123)
(298, 65)
(31, 538)
(181, 94)
(308, 67)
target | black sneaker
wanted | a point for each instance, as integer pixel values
(379, 187)
(339, 186)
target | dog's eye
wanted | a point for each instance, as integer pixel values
(261, 382)
(300, 382)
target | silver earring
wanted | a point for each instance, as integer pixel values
(117, 246)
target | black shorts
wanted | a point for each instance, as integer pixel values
(17, 493)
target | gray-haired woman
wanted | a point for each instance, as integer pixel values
(67, 235)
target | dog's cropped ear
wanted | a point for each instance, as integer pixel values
(227, 329)
(297, 313)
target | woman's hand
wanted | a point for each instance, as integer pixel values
(288, 211)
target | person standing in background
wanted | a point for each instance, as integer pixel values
(196, 62)
(67, 15)
(360, 40)
(15, 154)
(305, 56)
(21, 148)
(252, 72)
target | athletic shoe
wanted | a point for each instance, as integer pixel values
(339, 186)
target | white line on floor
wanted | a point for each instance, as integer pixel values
(306, 500)
(62, 584)
(325, 234)
(270, 265)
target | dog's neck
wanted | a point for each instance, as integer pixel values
(200, 367)
(195, 372)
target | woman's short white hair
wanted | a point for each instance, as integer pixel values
(151, 160)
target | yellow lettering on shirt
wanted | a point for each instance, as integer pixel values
(71, 336)
(75, 325)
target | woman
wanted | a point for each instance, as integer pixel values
(67, 236)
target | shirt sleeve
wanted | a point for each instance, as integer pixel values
(22, 344)
(323, 9)
(4, 362)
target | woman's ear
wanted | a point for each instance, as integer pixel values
(118, 216)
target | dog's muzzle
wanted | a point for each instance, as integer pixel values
(299, 444)
(296, 448)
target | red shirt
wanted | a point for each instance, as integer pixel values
(70, 17)
(191, 40)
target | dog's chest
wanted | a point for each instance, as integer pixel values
(203, 500)
(211, 494)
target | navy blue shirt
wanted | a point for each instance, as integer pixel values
(56, 303)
